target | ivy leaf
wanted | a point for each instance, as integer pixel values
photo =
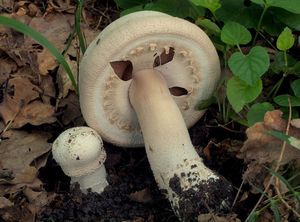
(210, 26)
(285, 40)
(296, 87)
(234, 33)
(206, 103)
(236, 11)
(289, 5)
(178, 8)
(282, 100)
(240, 93)
(260, 2)
(278, 64)
(289, 19)
(250, 67)
(257, 112)
(211, 5)
(125, 4)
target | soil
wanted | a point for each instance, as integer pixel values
(129, 173)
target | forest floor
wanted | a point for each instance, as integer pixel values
(37, 103)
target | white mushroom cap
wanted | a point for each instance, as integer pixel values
(144, 38)
(79, 151)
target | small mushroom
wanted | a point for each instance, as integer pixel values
(80, 153)
(139, 82)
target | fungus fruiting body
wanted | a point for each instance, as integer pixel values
(80, 153)
(180, 50)
(139, 82)
(191, 187)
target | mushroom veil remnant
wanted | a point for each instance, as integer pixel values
(80, 153)
(139, 82)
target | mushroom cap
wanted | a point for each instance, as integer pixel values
(180, 50)
(79, 151)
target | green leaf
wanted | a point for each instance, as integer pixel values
(285, 40)
(27, 30)
(250, 67)
(133, 9)
(236, 11)
(126, 4)
(288, 18)
(240, 93)
(275, 210)
(211, 5)
(278, 65)
(282, 100)
(260, 2)
(289, 139)
(234, 33)
(205, 103)
(289, 5)
(296, 87)
(178, 8)
(208, 25)
(257, 112)
(296, 69)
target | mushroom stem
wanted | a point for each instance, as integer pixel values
(96, 181)
(190, 186)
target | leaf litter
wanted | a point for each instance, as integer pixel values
(36, 93)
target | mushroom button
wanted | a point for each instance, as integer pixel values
(139, 83)
(80, 153)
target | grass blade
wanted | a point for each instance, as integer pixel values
(39, 38)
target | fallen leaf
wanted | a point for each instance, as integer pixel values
(54, 27)
(142, 196)
(70, 108)
(4, 203)
(210, 217)
(21, 106)
(261, 148)
(8, 66)
(19, 150)
(61, 6)
(35, 113)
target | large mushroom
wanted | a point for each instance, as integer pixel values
(139, 83)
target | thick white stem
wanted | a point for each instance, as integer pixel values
(96, 181)
(177, 168)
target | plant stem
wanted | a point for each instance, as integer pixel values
(81, 38)
(260, 22)
(276, 87)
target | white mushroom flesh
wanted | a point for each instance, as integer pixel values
(140, 38)
(177, 168)
(80, 153)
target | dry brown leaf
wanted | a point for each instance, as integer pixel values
(70, 108)
(216, 218)
(37, 200)
(61, 6)
(261, 148)
(142, 196)
(19, 92)
(64, 83)
(4, 203)
(21, 106)
(54, 27)
(19, 151)
(8, 66)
